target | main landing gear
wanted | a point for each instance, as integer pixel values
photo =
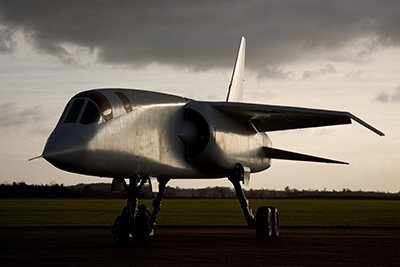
(136, 221)
(266, 221)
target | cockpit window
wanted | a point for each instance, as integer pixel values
(101, 101)
(74, 111)
(125, 101)
(64, 112)
(91, 113)
(97, 106)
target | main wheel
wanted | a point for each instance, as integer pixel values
(142, 226)
(121, 230)
(274, 222)
(263, 223)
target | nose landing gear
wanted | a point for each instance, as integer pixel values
(136, 221)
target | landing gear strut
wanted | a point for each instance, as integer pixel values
(136, 220)
(266, 221)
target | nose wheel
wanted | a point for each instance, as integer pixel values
(136, 221)
(121, 231)
(142, 227)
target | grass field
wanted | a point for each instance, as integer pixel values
(207, 212)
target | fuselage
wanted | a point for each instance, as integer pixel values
(126, 132)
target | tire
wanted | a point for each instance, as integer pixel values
(263, 223)
(274, 222)
(121, 230)
(125, 211)
(142, 226)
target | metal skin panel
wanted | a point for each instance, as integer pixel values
(145, 141)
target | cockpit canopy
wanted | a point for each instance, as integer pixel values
(95, 107)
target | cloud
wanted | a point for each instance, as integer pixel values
(328, 69)
(7, 44)
(15, 118)
(354, 75)
(56, 50)
(274, 73)
(202, 34)
(385, 97)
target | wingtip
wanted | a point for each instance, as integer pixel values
(368, 126)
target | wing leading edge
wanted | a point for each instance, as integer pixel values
(267, 118)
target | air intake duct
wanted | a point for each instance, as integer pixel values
(195, 133)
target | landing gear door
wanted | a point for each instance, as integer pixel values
(246, 176)
(153, 184)
(117, 186)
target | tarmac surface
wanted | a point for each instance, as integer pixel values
(201, 247)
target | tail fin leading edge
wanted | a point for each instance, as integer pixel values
(235, 92)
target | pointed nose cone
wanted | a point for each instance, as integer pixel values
(64, 150)
(189, 133)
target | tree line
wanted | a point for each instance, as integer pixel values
(103, 190)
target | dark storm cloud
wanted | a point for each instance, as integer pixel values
(202, 34)
(7, 43)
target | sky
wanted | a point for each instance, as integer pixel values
(337, 55)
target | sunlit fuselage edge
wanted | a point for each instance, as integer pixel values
(148, 140)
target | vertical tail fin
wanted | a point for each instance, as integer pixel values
(235, 92)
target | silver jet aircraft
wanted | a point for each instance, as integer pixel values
(147, 137)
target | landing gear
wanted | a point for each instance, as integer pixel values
(274, 222)
(121, 230)
(263, 223)
(136, 220)
(266, 221)
(236, 177)
(142, 227)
